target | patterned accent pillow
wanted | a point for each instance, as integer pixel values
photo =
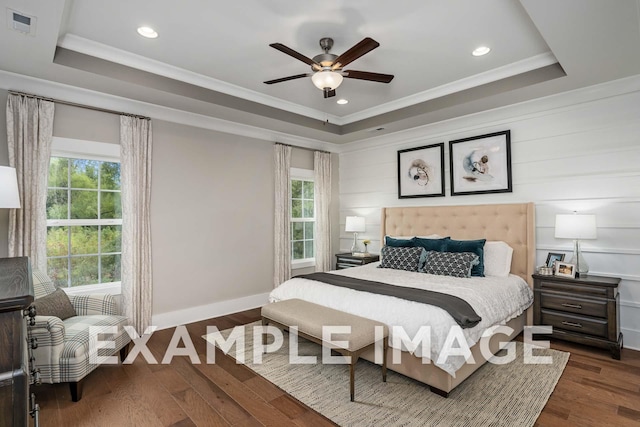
(55, 304)
(402, 258)
(456, 264)
(475, 246)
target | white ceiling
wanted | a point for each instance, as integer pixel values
(214, 56)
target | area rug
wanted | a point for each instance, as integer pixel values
(507, 395)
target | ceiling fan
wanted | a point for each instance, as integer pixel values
(327, 68)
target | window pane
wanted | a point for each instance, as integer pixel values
(308, 209)
(84, 240)
(297, 250)
(308, 230)
(84, 204)
(308, 190)
(110, 205)
(296, 189)
(110, 268)
(58, 172)
(57, 241)
(57, 204)
(110, 176)
(308, 249)
(111, 238)
(84, 270)
(57, 270)
(84, 173)
(297, 231)
(296, 209)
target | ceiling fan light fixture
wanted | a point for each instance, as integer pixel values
(480, 51)
(326, 79)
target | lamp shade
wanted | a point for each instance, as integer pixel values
(355, 224)
(326, 79)
(9, 197)
(576, 227)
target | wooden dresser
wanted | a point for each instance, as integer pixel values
(16, 294)
(585, 310)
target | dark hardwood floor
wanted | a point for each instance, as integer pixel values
(594, 390)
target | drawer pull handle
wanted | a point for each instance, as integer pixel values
(578, 306)
(577, 325)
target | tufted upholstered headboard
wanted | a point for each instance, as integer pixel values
(511, 223)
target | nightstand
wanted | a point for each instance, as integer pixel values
(585, 310)
(347, 260)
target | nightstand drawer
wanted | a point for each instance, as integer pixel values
(585, 307)
(575, 323)
(573, 288)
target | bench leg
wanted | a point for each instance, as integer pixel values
(265, 322)
(385, 348)
(352, 368)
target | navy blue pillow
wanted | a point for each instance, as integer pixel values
(474, 246)
(438, 245)
(399, 243)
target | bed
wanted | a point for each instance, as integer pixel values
(510, 223)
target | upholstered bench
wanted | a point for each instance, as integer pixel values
(310, 319)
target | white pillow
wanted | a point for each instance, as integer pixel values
(497, 259)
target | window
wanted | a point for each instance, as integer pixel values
(84, 220)
(302, 218)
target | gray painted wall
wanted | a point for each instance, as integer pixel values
(212, 207)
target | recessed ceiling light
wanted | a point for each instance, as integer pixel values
(342, 101)
(147, 32)
(482, 50)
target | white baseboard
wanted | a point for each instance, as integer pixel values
(202, 312)
(631, 338)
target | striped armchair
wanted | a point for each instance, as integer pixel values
(62, 354)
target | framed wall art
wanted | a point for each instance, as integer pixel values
(481, 164)
(421, 171)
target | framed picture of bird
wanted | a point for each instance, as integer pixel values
(421, 171)
(481, 164)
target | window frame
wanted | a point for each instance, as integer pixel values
(86, 150)
(302, 175)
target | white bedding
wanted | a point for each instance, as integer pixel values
(496, 299)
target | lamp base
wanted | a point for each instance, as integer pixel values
(355, 248)
(582, 268)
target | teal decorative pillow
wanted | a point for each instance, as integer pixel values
(55, 304)
(431, 244)
(456, 264)
(402, 258)
(399, 243)
(474, 246)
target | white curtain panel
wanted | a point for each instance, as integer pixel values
(29, 136)
(322, 190)
(282, 227)
(137, 287)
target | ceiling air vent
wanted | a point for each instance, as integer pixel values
(20, 22)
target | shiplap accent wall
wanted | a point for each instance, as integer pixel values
(574, 151)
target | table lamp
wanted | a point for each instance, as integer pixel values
(9, 197)
(576, 227)
(355, 225)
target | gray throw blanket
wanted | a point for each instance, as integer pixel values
(459, 309)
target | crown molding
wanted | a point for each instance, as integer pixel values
(50, 89)
(119, 56)
(490, 76)
(122, 57)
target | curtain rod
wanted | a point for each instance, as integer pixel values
(303, 148)
(74, 104)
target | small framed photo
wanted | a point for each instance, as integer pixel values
(421, 171)
(564, 269)
(553, 257)
(481, 164)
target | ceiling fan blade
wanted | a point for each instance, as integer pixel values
(286, 79)
(365, 46)
(329, 93)
(365, 75)
(284, 49)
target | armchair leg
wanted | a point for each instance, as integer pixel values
(76, 390)
(124, 352)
